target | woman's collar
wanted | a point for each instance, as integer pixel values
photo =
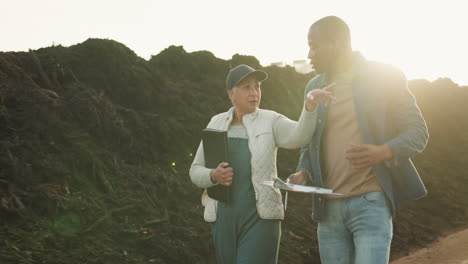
(249, 116)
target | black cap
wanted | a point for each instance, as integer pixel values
(240, 72)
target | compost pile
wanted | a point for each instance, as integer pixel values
(96, 144)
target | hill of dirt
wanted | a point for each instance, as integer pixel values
(95, 146)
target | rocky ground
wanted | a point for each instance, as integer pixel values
(95, 146)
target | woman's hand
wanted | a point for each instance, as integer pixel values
(317, 96)
(222, 174)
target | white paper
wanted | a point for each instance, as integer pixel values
(278, 183)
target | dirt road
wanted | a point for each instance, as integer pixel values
(452, 249)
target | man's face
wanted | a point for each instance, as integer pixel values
(321, 51)
(247, 95)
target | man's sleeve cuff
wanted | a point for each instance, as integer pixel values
(391, 163)
(394, 162)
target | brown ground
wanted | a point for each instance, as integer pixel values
(452, 249)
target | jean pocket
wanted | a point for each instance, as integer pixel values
(373, 197)
(376, 202)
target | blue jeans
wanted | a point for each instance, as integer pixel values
(356, 230)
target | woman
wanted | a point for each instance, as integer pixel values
(248, 228)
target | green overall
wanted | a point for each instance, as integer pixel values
(239, 234)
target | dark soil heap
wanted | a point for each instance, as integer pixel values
(96, 144)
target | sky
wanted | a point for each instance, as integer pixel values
(425, 39)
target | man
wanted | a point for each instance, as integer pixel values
(361, 148)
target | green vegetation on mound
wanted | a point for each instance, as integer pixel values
(95, 146)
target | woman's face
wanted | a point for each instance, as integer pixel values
(246, 95)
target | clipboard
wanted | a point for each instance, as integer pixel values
(215, 149)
